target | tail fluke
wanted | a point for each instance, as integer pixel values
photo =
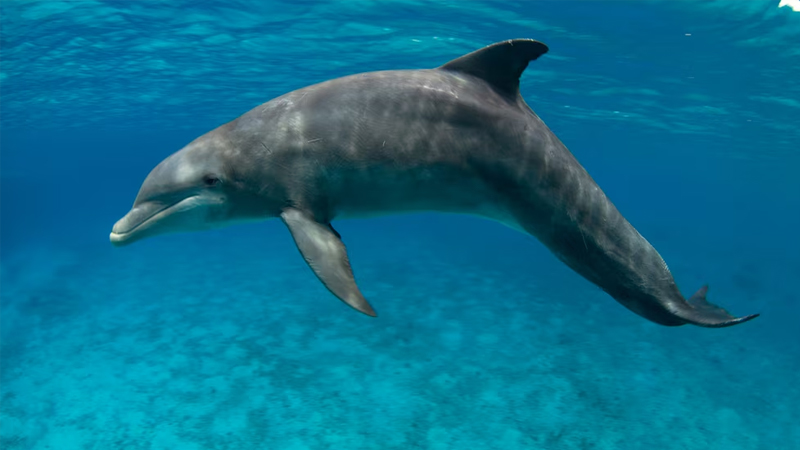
(702, 313)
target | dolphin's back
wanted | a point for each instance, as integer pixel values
(393, 141)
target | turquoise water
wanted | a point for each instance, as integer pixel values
(684, 112)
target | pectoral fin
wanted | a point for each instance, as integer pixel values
(326, 254)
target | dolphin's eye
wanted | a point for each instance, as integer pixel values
(211, 180)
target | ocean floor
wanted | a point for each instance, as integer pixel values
(217, 342)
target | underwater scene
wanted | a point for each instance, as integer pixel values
(399, 224)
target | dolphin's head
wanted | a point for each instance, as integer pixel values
(194, 189)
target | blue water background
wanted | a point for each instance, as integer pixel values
(686, 113)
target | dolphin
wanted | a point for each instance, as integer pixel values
(458, 138)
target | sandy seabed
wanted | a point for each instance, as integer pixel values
(224, 346)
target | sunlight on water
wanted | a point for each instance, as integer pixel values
(794, 4)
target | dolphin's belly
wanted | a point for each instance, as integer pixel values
(390, 189)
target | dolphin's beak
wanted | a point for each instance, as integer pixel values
(116, 239)
(119, 239)
(131, 227)
(148, 219)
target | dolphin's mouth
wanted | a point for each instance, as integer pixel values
(132, 227)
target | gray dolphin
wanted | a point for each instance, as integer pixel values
(458, 138)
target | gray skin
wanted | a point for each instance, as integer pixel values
(458, 139)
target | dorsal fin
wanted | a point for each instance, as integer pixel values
(500, 64)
